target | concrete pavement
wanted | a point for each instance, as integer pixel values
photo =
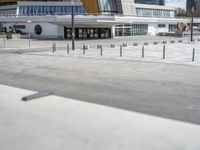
(165, 90)
(57, 123)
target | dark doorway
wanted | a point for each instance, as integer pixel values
(88, 33)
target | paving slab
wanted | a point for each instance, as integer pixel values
(178, 53)
(57, 123)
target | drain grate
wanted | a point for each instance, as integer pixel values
(37, 95)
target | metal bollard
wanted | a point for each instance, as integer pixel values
(83, 49)
(120, 50)
(54, 47)
(4, 42)
(155, 43)
(193, 55)
(163, 51)
(67, 48)
(124, 45)
(142, 51)
(172, 41)
(101, 49)
(99, 46)
(180, 41)
(112, 45)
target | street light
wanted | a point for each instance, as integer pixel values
(73, 32)
(192, 20)
(29, 34)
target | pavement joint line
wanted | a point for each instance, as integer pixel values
(37, 95)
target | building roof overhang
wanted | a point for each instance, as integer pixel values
(93, 20)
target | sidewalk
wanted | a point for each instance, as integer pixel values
(57, 123)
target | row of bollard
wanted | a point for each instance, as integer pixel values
(121, 50)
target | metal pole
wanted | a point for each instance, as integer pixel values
(120, 50)
(73, 32)
(67, 48)
(83, 49)
(29, 36)
(3, 27)
(101, 49)
(193, 54)
(163, 51)
(142, 51)
(192, 21)
(53, 47)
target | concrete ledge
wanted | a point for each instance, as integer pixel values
(53, 120)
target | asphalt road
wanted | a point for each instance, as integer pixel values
(165, 90)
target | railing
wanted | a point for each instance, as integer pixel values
(86, 14)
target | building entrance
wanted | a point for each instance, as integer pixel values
(88, 33)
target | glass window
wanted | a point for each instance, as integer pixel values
(161, 25)
(30, 10)
(152, 12)
(107, 6)
(173, 28)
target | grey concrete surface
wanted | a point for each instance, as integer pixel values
(165, 90)
(57, 123)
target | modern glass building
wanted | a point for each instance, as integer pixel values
(107, 6)
(93, 18)
(196, 4)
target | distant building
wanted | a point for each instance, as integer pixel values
(196, 7)
(93, 18)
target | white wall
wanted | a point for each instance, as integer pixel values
(61, 31)
(153, 29)
(161, 30)
(49, 30)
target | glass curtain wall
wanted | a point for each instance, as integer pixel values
(173, 28)
(152, 13)
(131, 30)
(107, 6)
(49, 10)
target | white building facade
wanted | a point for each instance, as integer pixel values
(115, 18)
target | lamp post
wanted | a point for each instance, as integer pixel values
(192, 20)
(73, 30)
(29, 34)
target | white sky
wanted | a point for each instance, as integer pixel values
(176, 3)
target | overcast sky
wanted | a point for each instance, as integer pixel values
(176, 3)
